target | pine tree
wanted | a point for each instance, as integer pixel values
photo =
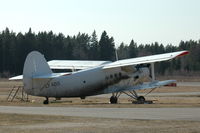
(94, 47)
(133, 50)
(123, 51)
(107, 47)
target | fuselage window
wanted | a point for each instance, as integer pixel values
(111, 76)
(120, 74)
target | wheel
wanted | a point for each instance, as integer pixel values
(83, 97)
(141, 99)
(46, 101)
(113, 99)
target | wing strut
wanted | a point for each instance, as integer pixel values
(152, 72)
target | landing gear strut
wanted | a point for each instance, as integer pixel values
(133, 95)
(46, 101)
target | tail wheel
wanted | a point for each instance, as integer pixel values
(113, 99)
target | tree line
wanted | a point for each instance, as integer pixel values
(14, 48)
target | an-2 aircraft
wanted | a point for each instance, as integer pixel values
(93, 78)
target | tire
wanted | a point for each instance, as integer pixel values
(46, 102)
(141, 99)
(113, 100)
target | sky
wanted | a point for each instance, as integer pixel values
(144, 21)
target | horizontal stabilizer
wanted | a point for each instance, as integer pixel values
(47, 76)
(50, 76)
(20, 77)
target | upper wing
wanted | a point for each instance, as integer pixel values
(74, 64)
(145, 59)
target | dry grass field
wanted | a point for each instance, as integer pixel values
(16, 123)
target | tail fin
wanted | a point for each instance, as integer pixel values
(35, 65)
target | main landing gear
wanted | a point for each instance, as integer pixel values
(133, 95)
(141, 99)
(46, 101)
(114, 98)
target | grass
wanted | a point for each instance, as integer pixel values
(15, 123)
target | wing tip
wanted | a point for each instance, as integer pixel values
(183, 53)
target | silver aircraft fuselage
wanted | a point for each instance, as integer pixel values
(83, 83)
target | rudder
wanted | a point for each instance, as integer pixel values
(35, 65)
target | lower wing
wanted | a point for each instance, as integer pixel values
(143, 86)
